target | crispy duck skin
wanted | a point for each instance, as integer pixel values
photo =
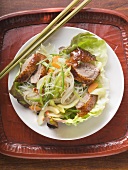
(85, 73)
(81, 67)
(41, 70)
(41, 56)
(79, 55)
(88, 105)
(29, 67)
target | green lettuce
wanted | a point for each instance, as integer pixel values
(16, 92)
(97, 47)
(91, 43)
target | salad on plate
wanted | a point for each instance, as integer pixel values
(68, 86)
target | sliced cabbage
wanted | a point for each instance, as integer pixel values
(59, 85)
(47, 50)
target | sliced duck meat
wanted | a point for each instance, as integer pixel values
(78, 55)
(87, 104)
(29, 67)
(41, 71)
(85, 73)
(42, 57)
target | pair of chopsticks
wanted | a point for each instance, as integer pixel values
(42, 36)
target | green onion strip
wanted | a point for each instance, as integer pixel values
(62, 73)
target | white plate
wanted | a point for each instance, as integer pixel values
(113, 72)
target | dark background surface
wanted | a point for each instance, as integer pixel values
(119, 161)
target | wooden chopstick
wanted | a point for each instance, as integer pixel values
(41, 34)
(45, 34)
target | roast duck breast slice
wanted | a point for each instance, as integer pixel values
(81, 67)
(87, 104)
(79, 55)
(85, 73)
(29, 67)
(41, 71)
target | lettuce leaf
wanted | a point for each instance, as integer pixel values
(97, 47)
(91, 43)
(15, 92)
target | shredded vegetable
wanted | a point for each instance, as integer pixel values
(56, 95)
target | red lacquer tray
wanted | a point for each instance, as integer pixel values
(16, 139)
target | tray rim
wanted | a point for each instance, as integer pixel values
(123, 142)
(42, 10)
(123, 147)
